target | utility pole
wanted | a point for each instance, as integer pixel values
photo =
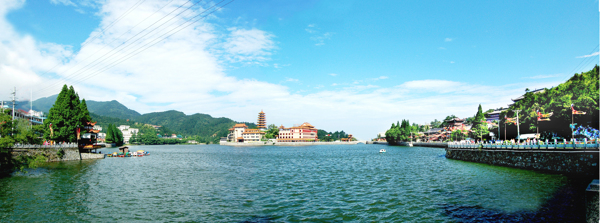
(13, 110)
(518, 131)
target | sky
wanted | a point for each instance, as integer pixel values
(357, 66)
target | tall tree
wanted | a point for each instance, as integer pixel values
(65, 116)
(109, 134)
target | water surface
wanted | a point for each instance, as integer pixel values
(281, 184)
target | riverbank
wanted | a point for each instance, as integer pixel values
(270, 143)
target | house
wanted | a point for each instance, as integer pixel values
(127, 132)
(299, 133)
(252, 135)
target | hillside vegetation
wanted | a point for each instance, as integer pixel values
(581, 91)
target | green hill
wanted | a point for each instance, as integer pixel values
(581, 91)
(197, 124)
(111, 109)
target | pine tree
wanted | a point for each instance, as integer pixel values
(84, 112)
(66, 115)
(109, 134)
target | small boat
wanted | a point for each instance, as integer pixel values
(109, 155)
(114, 154)
(140, 153)
(382, 151)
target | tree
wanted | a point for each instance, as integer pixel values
(65, 116)
(272, 132)
(479, 127)
(109, 134)
(458, 135)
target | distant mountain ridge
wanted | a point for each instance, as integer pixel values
(116, 113)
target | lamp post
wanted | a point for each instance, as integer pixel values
(518, 131)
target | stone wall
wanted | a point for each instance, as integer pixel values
(431, 144)
(57, 154)
(570, 162)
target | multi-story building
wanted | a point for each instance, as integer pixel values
(34, 117)
(253, 135)
(127, 132)
(302, 133)
(235, 133)
(241, 133)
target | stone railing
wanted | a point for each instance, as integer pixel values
(59, 145)
(593, 145)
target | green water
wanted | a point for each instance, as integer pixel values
(278, 184)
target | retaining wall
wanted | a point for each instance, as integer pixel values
(55, 155)
(570, 162)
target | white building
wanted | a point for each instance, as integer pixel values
(127, 132)
(241, 133)
(302, 133)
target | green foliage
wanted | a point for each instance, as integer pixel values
(272, 132)
(458, 135)
(202, 125)
(325, 136)
(436, 124)
(400, 132)
(112, 109)
(66, 115)
(581, 90)
(114, 135)
(479, 127)
(109, 134)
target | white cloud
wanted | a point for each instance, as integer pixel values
(188, 72)
(591, 55)
(251, 45)
(448, 40)
(451, 61)
(332, 74)
(289, 79)
(64, 2)
(317, 36)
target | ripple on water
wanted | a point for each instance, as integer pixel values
(277, 184)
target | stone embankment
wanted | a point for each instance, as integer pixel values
(583, 162)
(54, 153)
(271, 143)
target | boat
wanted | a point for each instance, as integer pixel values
(140, 152)
(114, 154)
(382, 151)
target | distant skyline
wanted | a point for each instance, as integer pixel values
(340, 65)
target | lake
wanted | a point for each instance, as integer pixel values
(329, 183)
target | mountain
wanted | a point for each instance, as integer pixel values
(197, 124)
(41, 104)
(111, 109)
(116, 113)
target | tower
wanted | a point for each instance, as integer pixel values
(262, 121)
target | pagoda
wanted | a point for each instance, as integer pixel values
(262, 121)
(86, 137)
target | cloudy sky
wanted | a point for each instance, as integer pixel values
(348, 65)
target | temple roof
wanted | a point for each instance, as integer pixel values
(240, 125)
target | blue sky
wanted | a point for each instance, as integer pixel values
(355, 66)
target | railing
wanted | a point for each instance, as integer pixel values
(59, 145)
(572, 145)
